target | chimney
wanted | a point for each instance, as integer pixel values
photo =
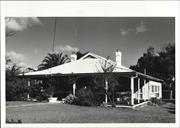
(73, 56)
(118, 58)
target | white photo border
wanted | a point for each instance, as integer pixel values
(90, 9)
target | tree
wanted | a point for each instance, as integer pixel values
(52, 60)
(110, 79)
(167, 58)
(146, 62)
(12, 72)
(16, 88)
(160, 64)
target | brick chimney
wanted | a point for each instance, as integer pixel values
(118, 58)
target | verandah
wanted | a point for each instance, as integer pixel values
(134, 85)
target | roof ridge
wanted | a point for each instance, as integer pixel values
(96, 55)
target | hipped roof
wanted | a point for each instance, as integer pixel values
(87, 65)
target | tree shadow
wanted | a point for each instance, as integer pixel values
(170, 109)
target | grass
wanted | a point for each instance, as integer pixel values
(13, 103)
(64, 113)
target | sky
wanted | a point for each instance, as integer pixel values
(99, 35)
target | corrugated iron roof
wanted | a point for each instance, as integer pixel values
(88, 66)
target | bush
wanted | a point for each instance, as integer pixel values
(37, 92)
(13, 121)
(155, 100)
(16, 90)
(85, 97)
(150, 104)
(70, 99)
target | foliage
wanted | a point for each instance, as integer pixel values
(12, 72)
(85, 97)
(90, 84)
(110, 77)
(91, 90)
(16, 88)
(52, 60)
(13, 121)
(155, 101)
(70, 99)
(146, 62)
(49, 86)
(158, 64)
(89, 95)
(37, 92)
(107, 66)
(63, 87)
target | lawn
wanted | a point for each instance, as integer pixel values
(64, 113)
(14, 103)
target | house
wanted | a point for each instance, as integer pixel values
(141, 86)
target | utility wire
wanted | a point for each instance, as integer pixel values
(54, 36)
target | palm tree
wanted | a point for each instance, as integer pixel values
(52, 60)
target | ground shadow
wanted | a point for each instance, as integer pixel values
(170, 109)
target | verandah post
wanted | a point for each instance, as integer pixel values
(29, 84)
(106, 89)
(149, 91)
(132, 90)
(138, 90)
(144, 91)
(74, 87)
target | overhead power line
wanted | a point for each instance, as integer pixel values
(54, 34)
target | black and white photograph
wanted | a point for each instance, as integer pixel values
(90, 69)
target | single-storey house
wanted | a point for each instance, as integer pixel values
(141, 86)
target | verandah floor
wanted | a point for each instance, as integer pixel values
(64, 113)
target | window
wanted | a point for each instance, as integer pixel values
(141, 96)
(152, 88)
(155, 89)
(140, 90)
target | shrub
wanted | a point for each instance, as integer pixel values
(13, 121)
(37, 92)
(85, 97)
(155, 100)
(16, 90)
(150, 103)
(70, 99)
